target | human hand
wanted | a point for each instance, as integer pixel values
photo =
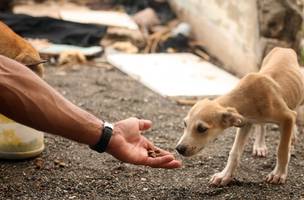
(128, 145)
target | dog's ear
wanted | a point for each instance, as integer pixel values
(231, 117)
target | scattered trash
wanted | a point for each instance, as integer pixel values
(177, 74)
(201, 54)
(71, 57)
(161, 7)
(126, 47)
(123, 35)
(46, 9)
(65, 54)
(57, 31)
(172, 44)
(146, 18)
(159, 35)
(181, 29)
(57, 49)
(107, 18)
(6, 5)
(115, 34)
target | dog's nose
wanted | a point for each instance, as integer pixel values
(181, 149)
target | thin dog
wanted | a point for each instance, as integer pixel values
(269, 96)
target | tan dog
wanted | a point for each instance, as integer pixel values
(15, 47)
(269, 96)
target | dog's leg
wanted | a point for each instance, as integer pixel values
(279, 174)
(294, 140)
(259, 146)
(225, 176)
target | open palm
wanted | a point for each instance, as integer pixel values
(128, 145)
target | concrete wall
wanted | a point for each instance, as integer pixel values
(228, 29)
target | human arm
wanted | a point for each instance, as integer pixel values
(27, 99)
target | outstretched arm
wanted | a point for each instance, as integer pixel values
(27, 99)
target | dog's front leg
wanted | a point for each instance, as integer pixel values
(224, 177)
(259, 146)
(279, 174)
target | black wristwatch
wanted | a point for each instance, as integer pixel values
(105, 137)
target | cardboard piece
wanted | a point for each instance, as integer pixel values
(72, 12)
(175, 75)
(47, 9)
(108, 18)
(56, 49)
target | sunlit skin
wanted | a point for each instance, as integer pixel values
(29, 100)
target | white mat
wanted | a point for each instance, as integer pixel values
(178, 74)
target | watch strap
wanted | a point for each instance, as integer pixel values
(105, 137)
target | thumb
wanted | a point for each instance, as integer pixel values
(144, 124)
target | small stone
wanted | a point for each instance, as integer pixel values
(60, 163)
(39, 162)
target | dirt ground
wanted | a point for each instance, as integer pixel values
(84, 174)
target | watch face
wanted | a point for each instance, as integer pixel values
(109, 125)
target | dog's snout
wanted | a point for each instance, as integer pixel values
(181, 149)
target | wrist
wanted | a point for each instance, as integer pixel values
(114, 140)
(106, 133)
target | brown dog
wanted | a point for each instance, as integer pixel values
(269, 96)
(15, 47)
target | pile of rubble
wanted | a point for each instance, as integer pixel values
(229, 35)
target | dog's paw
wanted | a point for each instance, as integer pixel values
(220, 179)
(259, 150)
(276, 177)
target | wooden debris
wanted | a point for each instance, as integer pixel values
(71, 58)
(60, 163)
(126, 47)
(186, 102)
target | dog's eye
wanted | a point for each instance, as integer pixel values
(201, 129)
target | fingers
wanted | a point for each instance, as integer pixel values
(144, 124)
(172, 165)
(167, 162)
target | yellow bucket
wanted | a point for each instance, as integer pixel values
(18, 141)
